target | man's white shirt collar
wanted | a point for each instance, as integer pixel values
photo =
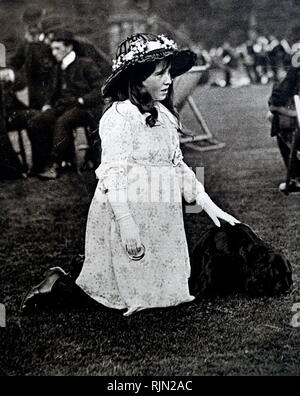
(68, 59)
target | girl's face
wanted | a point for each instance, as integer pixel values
(158, 83)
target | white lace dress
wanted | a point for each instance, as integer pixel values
(147, 163)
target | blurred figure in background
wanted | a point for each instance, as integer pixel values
(84, 47)
(249, 58)
(224, 59)
(76, 102)
(35, 66)
(203, 59)
(34, 58)
(32, 65)
(284, 123)
(228, 62)
(261, 59)
(279, 57)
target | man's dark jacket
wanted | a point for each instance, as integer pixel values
(38, 64)
(283, 93)
(81, 79)
(285, 90)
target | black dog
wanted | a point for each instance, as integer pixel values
(230, 260)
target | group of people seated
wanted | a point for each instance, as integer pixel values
(64, 83)
(260, 58)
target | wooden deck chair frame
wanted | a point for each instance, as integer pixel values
(183, 87)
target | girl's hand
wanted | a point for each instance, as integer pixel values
(213, 211)
(130, 235)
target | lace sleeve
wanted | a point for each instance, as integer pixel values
(116, 137)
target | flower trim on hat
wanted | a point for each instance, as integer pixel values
(140, 48)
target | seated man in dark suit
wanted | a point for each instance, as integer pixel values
(76, 101)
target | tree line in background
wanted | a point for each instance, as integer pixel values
(207, 21)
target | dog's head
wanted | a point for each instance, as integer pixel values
(234, 259)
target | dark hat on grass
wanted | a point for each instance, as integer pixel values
(141, 48)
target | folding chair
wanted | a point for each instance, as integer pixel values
(81, 148)
(87, 149)
(184, 86)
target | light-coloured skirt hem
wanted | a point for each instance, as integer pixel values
(133, 310)
(102, 300)
(106, 303)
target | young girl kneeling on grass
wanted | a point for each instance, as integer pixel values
(136, 254)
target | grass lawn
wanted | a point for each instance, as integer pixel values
(43, 224)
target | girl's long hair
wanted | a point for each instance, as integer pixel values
(131, 88)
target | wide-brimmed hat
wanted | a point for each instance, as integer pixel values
(141, 48)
